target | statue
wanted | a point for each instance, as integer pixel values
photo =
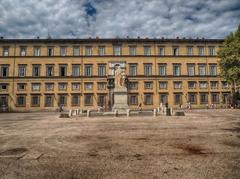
(120, 77)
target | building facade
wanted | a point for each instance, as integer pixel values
(42, 74)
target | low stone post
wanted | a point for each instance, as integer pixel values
(171, 111)
(164, 110)
(154, 112)
(88, 113)
(70, 113)
(128, 112)
(158, 109)
(116, 113)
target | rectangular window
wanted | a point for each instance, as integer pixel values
(203, 98)
(49, 100)
(177, 85)
(63, 51)
(101, 85)
(88, 99)
(132, 69)
(213, 69)
(3, 87)
(75, 100)
(49, 86)
(132, 50)
(147, 69)
(5, 51)
(62, 70)
(214, 84)
(191, 69)
(37, 51)
(101, 100)
(4, 70)
(175, 51)
(225, 85)
(101, 70)
(88, 70)
(176, 69)
(76, 51)
(49, 70)
(189, 51)
(133, 99)
(214, 98)
(211, 51)
(75, 86)
(163, 85)
(192, 85)
(177, 98)
(62, 86)
(35, 100)
(148, 85)
(36, 86)
(88, 86)
(21, 100)
(202, 69)
(62, 100)
(101, 50)
(35, 70)
(133, 85)
(148, 99)
(75, 70)
(21, 86)
(23, 51)
(203, 85)
(161, 51)
(226, 97)
(192, 98)
(50, 51)
(147, 50)
(88, 50)
(117, 51)
(3, 100)
(22, 70)
(162, 69)
(201, 51)
(163, 98)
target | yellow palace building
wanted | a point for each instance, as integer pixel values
(43, 74)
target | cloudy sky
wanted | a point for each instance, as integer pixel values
(118, 18)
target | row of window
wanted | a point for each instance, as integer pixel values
(133, 70)
(117, 50)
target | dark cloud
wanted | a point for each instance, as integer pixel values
(111, 18)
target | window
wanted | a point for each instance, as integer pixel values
(203, 98)
(162, 69)
(21, 100)
(36, 86)
(76, 51)
(192, 84)
(88, 86)
(202, 69)
(75, 86)
(35, 100)
(147, 69)
(132, 50)
(132, 69)
(213, 69)
(189, 51)
(50, 51)
(161, 51)
(3, 87)
(225, 85)
(75, 70)
(62, 100)
(148, 99)
(133, 99)
(101, 70)
(88, 99)
(214, 98)
(147, 50)
(101, 100)
(226, 97)
(5, 51)
(88, 50)
(191, 69)
(37, 51)
(62, 86)
(21, 70)
(175, 51)
(177, 85)
(192, 98)
(163, 98)
(211, 51)
(21, 86)
(49, 100)
(4, 70)
(101, 85)
(133, 85)
(201, 51)
(214, 84)
(49, 86)
(75, 100)
(176, 69)
(148, 85)
(203, 85)
(63, 51)
(88, 70)
(62, 70)
(35, 70)
(117, 50)
(101, 50)
(3, 100)
(49, 70)
(23, 51)
(177, 98)
(163, 85)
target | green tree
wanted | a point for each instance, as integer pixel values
(229, 62)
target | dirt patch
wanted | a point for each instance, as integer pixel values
(232, 143)
(191, 149)
(14, 151)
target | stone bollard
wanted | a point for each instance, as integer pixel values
(154, 112)
(70, 113)
(128, 112)
(88, 113)
(116, 113)
(158, 109)
(164, 110)
(171, 111)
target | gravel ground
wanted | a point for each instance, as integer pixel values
(202, 144)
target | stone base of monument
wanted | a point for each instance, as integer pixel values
(120, 100)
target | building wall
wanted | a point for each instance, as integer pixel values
(13, 60)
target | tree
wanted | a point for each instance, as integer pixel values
(229, 63)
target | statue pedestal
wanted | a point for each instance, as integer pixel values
(120, 99)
